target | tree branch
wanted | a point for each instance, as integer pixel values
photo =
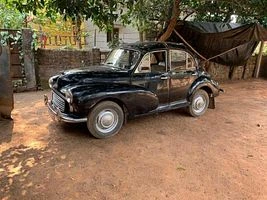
(175, 14)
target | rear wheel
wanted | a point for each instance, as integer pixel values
(199, 103)
(105, 119)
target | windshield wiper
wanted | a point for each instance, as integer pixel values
(112, 66)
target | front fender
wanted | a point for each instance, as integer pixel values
(136, 99)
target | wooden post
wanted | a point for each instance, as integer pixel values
(95, 39)
(259, 58)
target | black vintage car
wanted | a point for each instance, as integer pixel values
(136, 79)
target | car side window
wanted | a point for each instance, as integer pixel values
(181, 61)
(144, 66)
(158, 61)
(153, 62)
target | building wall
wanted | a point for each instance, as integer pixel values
(51, 62)
(98, 39)
(223, 73)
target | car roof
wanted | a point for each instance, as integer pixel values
(153, 45)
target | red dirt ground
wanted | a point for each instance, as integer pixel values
(221, 155)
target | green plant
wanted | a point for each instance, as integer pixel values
(10, 17)
(7, 38)
(35, 42)
(115, 42)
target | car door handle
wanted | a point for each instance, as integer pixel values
(164, 77)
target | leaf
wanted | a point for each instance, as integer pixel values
(180, 168)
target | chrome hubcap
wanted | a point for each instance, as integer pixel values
(199, 104)
(106, 121)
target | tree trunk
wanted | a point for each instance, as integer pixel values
(77, 33)
(141, 39)
(173, 20)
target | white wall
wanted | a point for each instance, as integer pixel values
(127, 34)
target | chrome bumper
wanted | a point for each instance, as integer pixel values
(58, 116)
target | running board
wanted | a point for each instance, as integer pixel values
(173, 105)
(167, 107)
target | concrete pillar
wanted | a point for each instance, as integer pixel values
(28, 54)
(96, 59)
(258, 64)
(6, 88)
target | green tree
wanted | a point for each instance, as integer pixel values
(10, 18)
(247, 11)
(157, 15)
(146, 15)
(103, 12)
(27, 7)
(73, 10)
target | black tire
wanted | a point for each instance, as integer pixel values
(199, 103)
(105, 119)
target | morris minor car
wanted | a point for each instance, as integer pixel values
(136, 79)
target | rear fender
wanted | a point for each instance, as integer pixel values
(208, 85)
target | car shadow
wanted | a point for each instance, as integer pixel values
(80, 130)
(70, 130)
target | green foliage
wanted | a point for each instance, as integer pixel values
(27, 6)
(154, 15)
(147, 15)
(115, 42)
(247, 11)
(10, 18)
(7, 38)
(103, 12)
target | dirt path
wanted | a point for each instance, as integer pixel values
(222, 155)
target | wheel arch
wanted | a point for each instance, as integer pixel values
(211, 96)
(117, 101)
(207, 87)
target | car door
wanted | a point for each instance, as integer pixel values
(182, 74)
(152, 74)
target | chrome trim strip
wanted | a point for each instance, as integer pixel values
(172, 105)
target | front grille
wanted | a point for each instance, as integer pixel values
(58, 101)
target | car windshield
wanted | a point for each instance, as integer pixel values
(122, 58)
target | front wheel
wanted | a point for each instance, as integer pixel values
(105, 119)
(199, 103)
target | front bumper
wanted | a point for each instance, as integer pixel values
(58, 116)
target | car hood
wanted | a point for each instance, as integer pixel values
(93, 74)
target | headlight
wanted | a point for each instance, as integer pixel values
(52, 80)
(68, 95)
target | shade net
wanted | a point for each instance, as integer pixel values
(212, 39)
